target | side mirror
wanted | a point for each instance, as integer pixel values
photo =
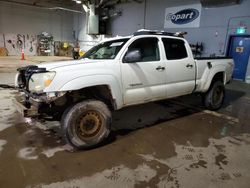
(133, 56)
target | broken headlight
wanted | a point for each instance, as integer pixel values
(39, 81)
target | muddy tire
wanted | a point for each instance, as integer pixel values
(214, 98)
(86, 124)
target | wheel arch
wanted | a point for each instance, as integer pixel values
(217, 74)
(103, 86)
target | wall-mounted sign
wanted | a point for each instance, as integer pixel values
(239, 49)
(241, 30)
(183, 16)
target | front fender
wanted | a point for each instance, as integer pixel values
(95, 80)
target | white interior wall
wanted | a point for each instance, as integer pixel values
(131, 20)
(80, 27)
(25, 20)
(216, 25)
(214, 30)
(18, 19)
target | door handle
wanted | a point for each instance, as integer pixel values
(189, 66)
(160, 68)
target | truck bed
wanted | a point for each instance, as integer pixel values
(204, 66)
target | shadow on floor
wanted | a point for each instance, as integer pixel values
(127, 120)
(132, 118)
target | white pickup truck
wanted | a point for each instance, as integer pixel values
(120, 72)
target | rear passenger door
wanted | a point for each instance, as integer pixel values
(180, 67)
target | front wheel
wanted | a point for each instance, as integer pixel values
(214, 98)
(86, 124)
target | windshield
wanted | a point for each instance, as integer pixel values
(106, 50)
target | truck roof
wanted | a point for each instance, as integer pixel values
(155, 32)
(116, 38)
(147, 32)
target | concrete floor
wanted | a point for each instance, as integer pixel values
(173, 143)
(9, 64)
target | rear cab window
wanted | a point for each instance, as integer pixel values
(175, 49)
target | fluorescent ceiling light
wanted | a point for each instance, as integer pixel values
(85, 7)
(78, 2)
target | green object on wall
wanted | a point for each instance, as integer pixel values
(241, 30)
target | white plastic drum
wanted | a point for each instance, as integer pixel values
(248, 71)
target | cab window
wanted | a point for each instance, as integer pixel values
(148, 47)
(106, 50)
(175, 49)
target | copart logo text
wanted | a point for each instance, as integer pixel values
(184, 16)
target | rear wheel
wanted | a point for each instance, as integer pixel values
(86, 124)
(214, 98)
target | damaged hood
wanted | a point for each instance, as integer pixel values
(74, 75)
(69, 63)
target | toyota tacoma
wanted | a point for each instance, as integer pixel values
(147, 66)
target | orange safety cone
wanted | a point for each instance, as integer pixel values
(22, 55)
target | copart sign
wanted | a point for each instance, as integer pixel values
(183, 17)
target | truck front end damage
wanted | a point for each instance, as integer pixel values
(33, 101)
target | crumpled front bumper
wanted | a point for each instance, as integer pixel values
(30, 104)
(24, 108)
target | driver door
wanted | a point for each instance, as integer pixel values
(144, 80)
